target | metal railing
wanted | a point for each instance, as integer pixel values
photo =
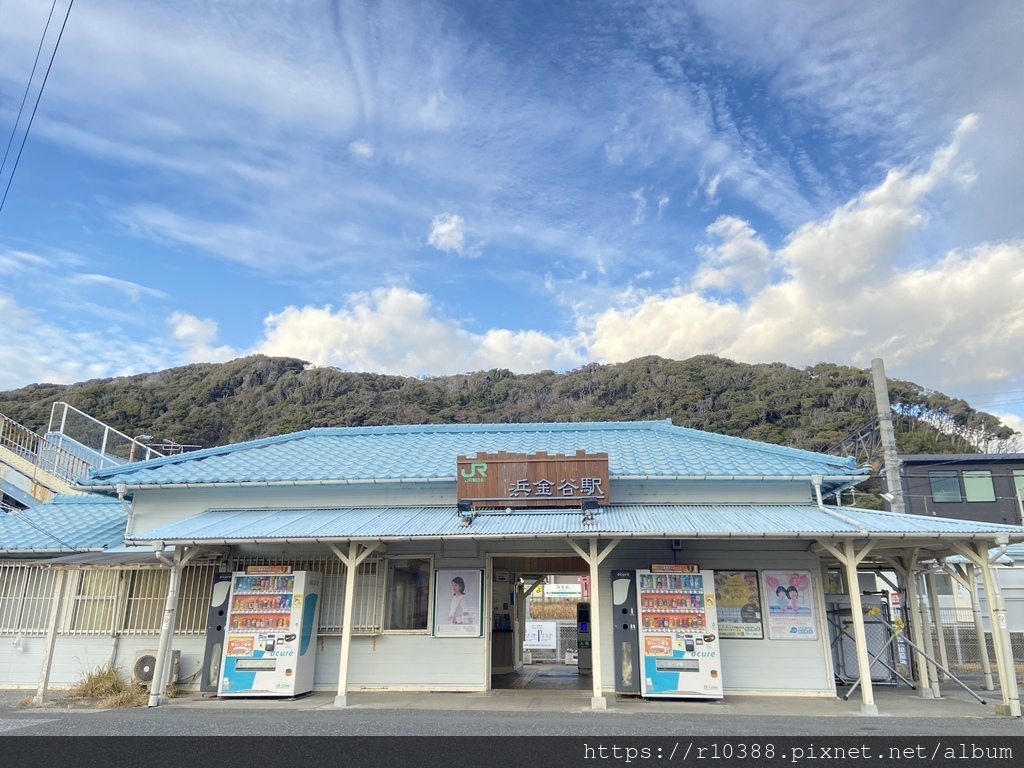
(74, 443)
(46, 456)
(18, 439)
(103, 446)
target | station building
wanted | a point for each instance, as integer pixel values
(388, 516)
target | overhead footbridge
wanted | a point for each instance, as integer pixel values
(34, 467)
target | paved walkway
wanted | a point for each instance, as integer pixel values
(891, 702)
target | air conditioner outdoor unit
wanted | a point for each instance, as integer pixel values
(145, 666)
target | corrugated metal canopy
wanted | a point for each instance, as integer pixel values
(743, 521)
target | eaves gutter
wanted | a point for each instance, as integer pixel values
(744, 478)
(64, 551)
(269, 484)
(451, 479)
(720, 535)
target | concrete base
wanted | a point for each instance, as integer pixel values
(599, 702)
(870, 710)
(1010, 710)
(341, 700)
(926, 693)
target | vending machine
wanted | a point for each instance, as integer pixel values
(270, 634)
(678, 631)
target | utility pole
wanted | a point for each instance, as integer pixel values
(892, 460)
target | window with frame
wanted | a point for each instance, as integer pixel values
(26, 595)
(147, 596)
(945, 484)
(407, 594)
(367, 613)
(1018, 483)
(978, 485)
(93, 602)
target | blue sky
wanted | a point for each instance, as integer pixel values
(437, 187)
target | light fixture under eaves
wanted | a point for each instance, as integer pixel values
(465, 509)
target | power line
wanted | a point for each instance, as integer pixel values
(28, 87)
(39, 97)
(20, 515)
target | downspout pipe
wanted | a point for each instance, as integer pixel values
(158, 688)
(122, 491)
(993, 559)
(816, 481)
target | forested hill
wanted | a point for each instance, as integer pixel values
(252, 397)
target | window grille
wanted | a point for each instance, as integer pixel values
(26, 595)
(368, 610)
(146, 595)
(92, 603)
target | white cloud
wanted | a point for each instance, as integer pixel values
(448, 233)
(34, 350)
(12, 261)
(663, 202)
(436, 112)
(197, 337)
(133, 291)
(396, 330)
(640, 212)
(741, 259)
(361, 149)
(845, 293)
(1012, 420)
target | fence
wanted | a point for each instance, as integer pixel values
(963, 649)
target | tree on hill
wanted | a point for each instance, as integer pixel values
(258, 396)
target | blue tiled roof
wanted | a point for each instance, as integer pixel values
(638, 449)
(67, 523)
(751, 521)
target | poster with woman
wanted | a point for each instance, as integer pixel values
(739, 605)
(457, 602)
(790, 605)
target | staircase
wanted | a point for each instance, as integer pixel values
(35, 467)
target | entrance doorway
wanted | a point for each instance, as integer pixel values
(534, 640)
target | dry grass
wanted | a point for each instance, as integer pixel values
(27, 701)
(109, 688)
(135, 696)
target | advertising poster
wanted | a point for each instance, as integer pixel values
(739, 605)
(790, 605)
(458, 596)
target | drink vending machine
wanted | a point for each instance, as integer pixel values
(270, 633)
(678, 630)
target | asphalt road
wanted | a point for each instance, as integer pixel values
(239, 721)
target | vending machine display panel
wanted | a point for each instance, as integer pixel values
(678, 633)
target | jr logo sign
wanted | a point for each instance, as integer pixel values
(477, 472)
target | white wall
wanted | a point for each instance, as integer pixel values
(154, 508)
(795, 667)
(75, 656)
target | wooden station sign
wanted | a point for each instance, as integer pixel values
(527, 481)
